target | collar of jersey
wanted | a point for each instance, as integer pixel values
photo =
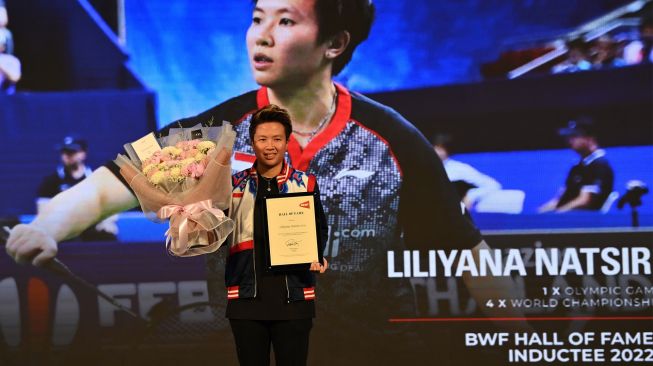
(281, 178)
(302, 157)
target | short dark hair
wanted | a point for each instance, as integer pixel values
(270, 113)
(353, 16)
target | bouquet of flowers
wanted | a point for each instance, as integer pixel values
(187, 181)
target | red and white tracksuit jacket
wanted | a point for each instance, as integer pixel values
(240, 274)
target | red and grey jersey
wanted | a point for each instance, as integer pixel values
(381, 184)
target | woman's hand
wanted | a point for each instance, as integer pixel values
(29, 243)
(317, 267)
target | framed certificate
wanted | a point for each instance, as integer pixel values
(290, 231)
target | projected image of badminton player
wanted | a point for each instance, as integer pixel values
(382, 186)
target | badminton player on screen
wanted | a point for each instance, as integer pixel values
(382, 185)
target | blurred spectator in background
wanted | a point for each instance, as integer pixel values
(9, 65)
(4, 18)
(606, 53)
(577, 59)
(641, 50)
(9, 68)
(471, 184)
(590, 182)
(72, 170)
(4, 21)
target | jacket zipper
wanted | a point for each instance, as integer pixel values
(287, 289)
(254, 264)
(254, 250)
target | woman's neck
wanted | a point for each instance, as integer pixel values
(307, 104)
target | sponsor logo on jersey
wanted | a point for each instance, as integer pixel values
(360, 174)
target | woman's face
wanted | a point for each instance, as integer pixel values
(282, 43)
(270, 145)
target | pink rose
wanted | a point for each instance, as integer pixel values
(185, 171)
(196, 170)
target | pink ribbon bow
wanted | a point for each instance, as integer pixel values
(189, 224)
